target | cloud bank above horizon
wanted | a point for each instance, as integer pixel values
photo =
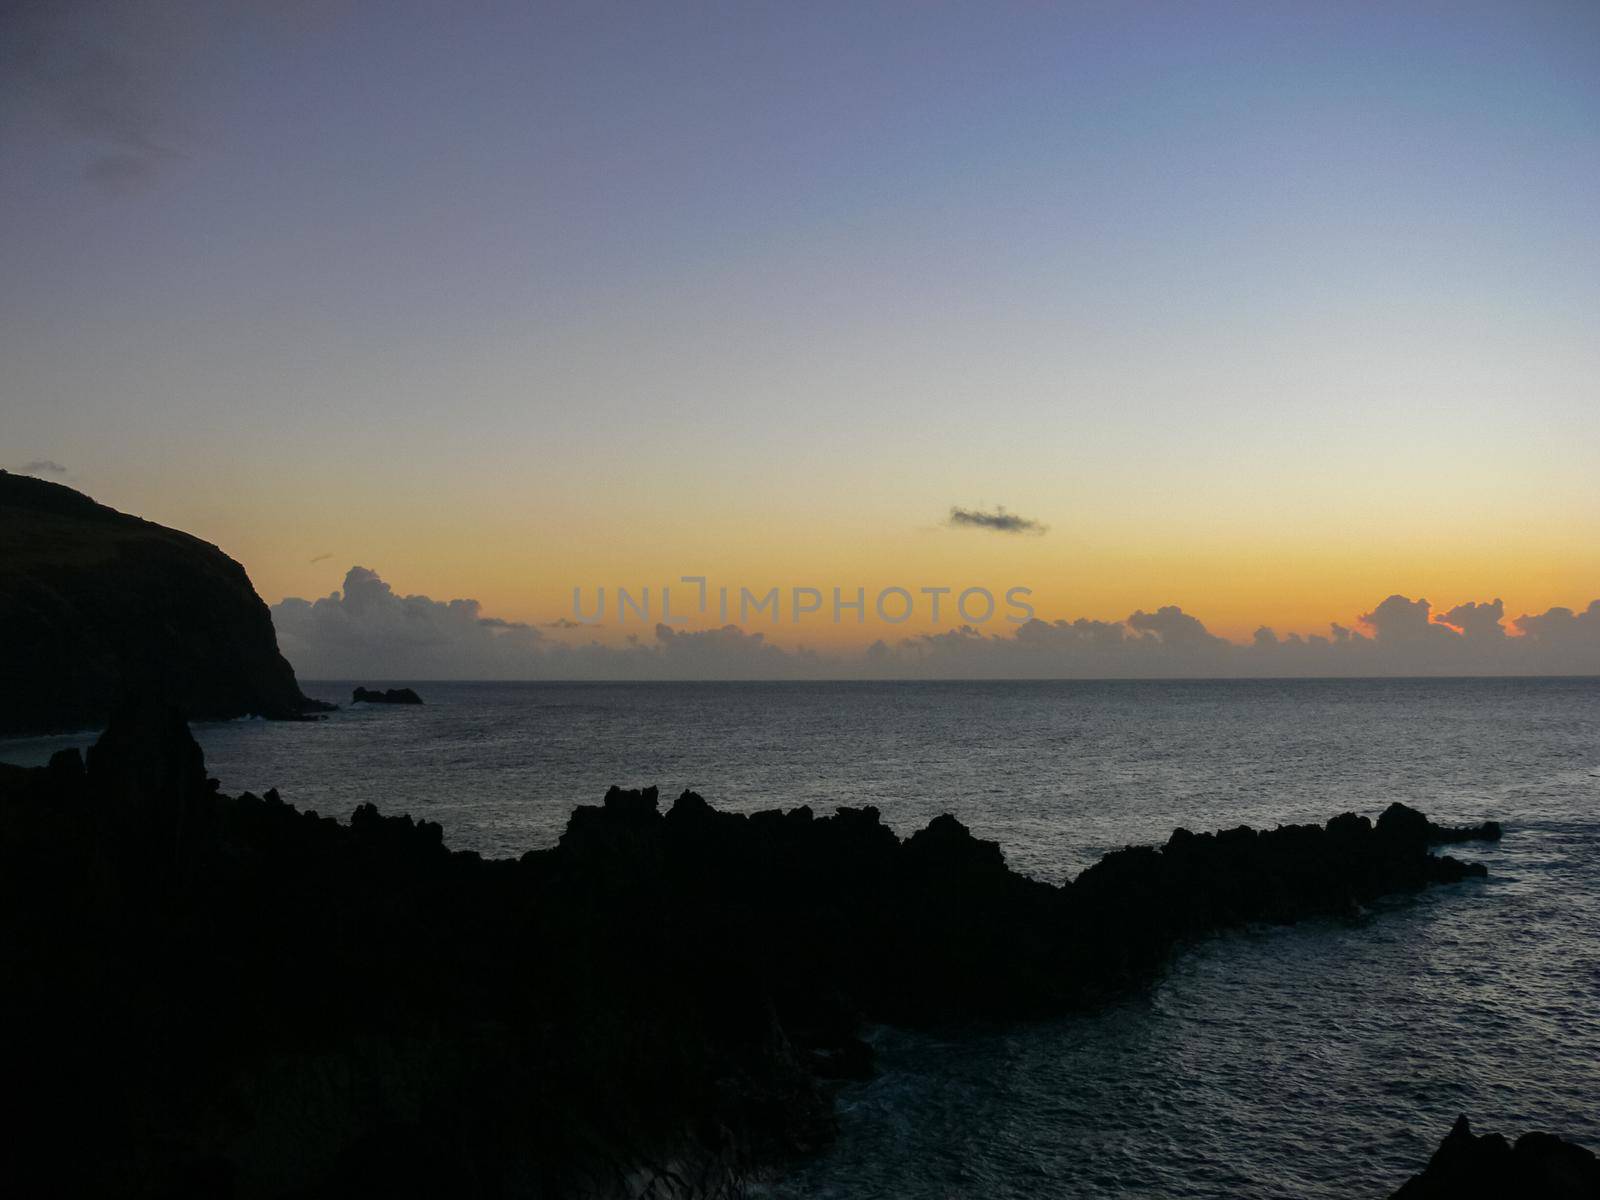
(369, 631)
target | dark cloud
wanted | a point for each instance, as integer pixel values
(367, 630)
(123, 82)
(42, 466)
(998, 521)
(320, 558)
(105, 73)
(124, 173)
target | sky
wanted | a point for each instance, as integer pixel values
(1261, 311)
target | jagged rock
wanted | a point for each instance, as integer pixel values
(1539, 1166)
(393, 696)
(147, 754)
(1489, 831)
(67, 765)
(1407, 825)
(98, 607)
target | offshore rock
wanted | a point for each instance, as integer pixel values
(98, 608)
(393, 696)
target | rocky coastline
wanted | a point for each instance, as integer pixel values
(267, 1002)
(1537, 1166)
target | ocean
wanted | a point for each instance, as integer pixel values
(1321, 1060)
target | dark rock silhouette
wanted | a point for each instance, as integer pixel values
(98, 606)
(218, 995)
(393, 696)
(1539, 1166)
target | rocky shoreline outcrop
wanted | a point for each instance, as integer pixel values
(97, 606)
(221, 995)
(1537, 1166)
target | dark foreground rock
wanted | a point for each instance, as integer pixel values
(97, 606)
(393, 696)
(1538, 1166)
(216, 995)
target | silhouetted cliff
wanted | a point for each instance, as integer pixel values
(96, 605)
(210, 995)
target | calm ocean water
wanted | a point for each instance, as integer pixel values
(1319, 1061)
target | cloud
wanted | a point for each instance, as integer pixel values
(1563, 630)
(367, 631)
(121, 83)
(1399, 619)
(41, 466)
(127, 172)
(1476, 620)
(1162, 644)
(1176, 629)
(999, 521)
(727, 653)
(106, 74)
(320, 558)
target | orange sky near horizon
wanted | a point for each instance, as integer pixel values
(522, 568)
